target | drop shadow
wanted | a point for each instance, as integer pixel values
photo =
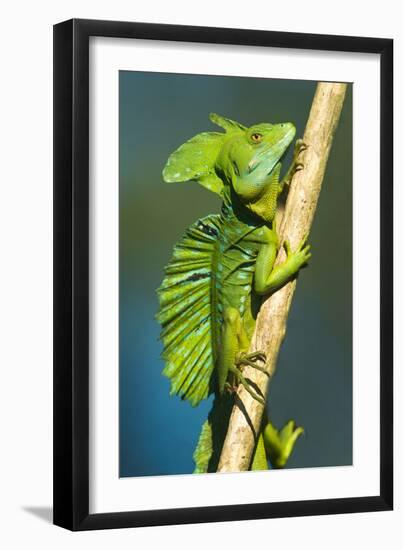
(45, 513)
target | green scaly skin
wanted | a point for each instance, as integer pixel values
(219, 273)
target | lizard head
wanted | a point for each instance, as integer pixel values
(250, 162)
(241, 165)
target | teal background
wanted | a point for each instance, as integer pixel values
(313, 383)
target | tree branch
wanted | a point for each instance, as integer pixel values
(295, 223)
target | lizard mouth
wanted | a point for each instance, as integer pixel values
(255, 164)
(270, 155)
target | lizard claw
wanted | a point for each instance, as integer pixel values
(300, 146)
(303, 242)
(230, 388)
(287, 247)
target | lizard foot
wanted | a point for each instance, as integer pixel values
(244, 358)
(301, 255)
(279, 444)
(296, 165)
(240, 379)
(300, 146)
(231, 388)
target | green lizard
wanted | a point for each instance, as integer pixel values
(220, 270)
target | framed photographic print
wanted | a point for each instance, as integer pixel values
(222, 274)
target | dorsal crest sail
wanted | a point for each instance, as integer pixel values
(185, 312)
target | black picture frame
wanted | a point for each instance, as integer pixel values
(71, 274)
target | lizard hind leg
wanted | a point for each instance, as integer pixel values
(234, 339)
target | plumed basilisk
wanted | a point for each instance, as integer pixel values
(219, 271)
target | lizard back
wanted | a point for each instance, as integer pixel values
(232, 273)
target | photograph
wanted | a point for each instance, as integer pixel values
(205, 167)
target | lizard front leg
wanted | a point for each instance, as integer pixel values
(268, 278)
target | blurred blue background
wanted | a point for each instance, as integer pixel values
(313, 383)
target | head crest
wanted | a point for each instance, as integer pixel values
(195, 159)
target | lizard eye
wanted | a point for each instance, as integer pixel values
(256, 137)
